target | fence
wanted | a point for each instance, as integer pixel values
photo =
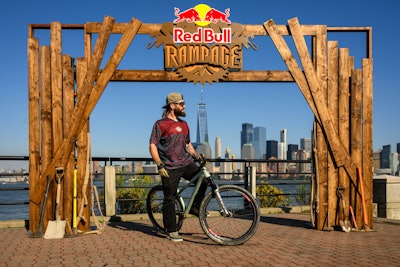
(114, 175)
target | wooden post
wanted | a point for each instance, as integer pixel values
(109, 190)
(343, 115)
(56, 99)
(333, 100)
(34, 138)
(83, 150)
(367, 108)
(68, 105)
(46, 124)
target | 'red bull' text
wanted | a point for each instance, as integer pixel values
(203, 35)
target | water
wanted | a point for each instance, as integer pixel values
(14, 212)
(21, 212)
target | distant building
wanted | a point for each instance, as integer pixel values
(202, 127)
(385, 157)
(247, 151)
(259, 142)
(272, 149)
(305, 144)
(217, 150)
(291, 152)
(246, 135)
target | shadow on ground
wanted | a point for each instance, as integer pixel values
(286, 222)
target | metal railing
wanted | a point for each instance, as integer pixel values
(275, 172)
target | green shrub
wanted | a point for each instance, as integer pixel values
(134, 197)
(270, 196)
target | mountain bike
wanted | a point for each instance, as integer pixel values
(229, 214)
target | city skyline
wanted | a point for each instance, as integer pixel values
(121, 122)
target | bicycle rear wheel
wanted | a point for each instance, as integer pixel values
(241, 222)
(154, 205)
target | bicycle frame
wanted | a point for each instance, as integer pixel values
(199, 177)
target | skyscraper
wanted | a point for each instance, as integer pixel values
(217, 147)
(282, 149)
(291, 150)
(305, 144)
(385, 157)
(246, 135)
(259, 143)
(202, 130)
(247, 151)
(272, 149)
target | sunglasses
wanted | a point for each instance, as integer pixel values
(180, 103)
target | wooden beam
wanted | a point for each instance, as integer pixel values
(34, 130)
(168, 76)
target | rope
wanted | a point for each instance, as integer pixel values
(93, 195)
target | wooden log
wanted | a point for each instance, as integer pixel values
(367, 111)
(46, 145)
(83, 203)
(56, 99)
(168, 76)
(34, 130)
(333, 106)
(344, 117)
(68, 105)
(356, 130)
(291, 63)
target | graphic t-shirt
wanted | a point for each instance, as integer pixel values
(171, 138)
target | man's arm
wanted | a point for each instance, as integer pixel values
(154, 154)
(191, 151)
(156, 157)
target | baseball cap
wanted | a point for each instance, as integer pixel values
(173, 97)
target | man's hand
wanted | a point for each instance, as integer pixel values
(162, 170)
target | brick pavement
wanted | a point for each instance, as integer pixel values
(281, 240)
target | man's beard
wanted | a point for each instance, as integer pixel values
(179, 112)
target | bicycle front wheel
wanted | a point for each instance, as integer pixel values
(235, 221)
(154, 204)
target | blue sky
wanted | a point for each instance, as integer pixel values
(122, 120)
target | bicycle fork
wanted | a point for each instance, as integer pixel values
(215, 189)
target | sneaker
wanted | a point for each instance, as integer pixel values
(174, 236)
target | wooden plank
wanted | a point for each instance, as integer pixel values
(83, 203)
(292, 65)
(168, 76)
(56, 82)
(332, 97)
(34, 130)
(56, 97)
(367, 114)
(112, 65)
(45, 112)
(68, 105)
(356, 129)
(63, 151)
(46, 144)
(344, 117)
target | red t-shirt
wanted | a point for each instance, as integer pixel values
(171, 138)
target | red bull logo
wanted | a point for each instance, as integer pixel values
(202, 15)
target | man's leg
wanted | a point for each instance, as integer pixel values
(170, 185)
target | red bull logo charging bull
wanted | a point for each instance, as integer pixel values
(202, 15)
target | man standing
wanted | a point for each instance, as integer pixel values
(175, 156)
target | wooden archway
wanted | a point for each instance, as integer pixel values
(61, 99)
